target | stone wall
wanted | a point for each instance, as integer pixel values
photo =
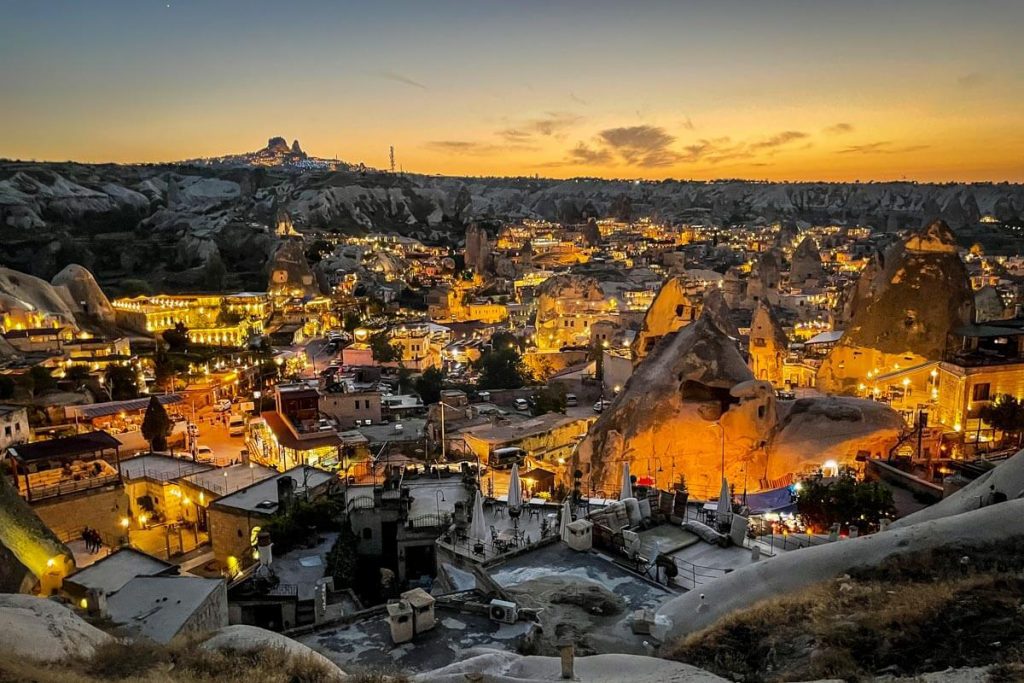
(100, 509)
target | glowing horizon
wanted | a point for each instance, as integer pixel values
(775, 90)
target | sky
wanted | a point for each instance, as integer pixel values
(929, 90)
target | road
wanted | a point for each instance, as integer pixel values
(213, 432)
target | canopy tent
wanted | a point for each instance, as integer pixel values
(515, 489)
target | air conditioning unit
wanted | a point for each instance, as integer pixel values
(504, 612)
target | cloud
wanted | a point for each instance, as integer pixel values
(641, 145)
(578, 100)
(586, 155)
(463, 147)
(399, 78)
(838, 129)
(972, 80)
(551, 124)
(688, 124)
(779, 140)
(882, 147)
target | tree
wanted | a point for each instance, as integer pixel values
(351, 321)
(177, 337)
(383, 350)
(502, 368)
(156, 426)
(548, 400)
(227, 317)
(428, 385)
(78, 373)
(1006, 414)
(163, 368)
(843, 500)
(122, 382)
(42, 380)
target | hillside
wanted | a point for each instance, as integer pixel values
(114, 218)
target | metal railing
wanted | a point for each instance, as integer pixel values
(68, 487)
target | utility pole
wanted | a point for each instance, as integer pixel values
(392, 157)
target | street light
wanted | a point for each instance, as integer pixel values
(439, 501)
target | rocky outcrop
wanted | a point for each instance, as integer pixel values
(806, 264)
(83, 293)
(478, 249)
(989, 305)
(915, 296)
(31, 543)
(768, 345)
(763, 284)
(561, 298)
(243, 638)
(44, 630)
(670, 310)
(290, 274)
(31, 301)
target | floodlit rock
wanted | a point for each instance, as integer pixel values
(290, 274)
(806, 264)
(31, 302)
(243, 638)
(763, 284)
(83, 293)
(670, 310)
(44, 630)
(478, 249)
(564, 304)
(902, 316)
(768, 345)
(508, 667)
(792, 571)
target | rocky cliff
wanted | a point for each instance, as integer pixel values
(903, 307)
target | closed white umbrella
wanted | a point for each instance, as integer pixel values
(515, 489)
(627, 485)
(724, 502)
(566, 519)
(478, 527)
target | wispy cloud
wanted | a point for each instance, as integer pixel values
(778, 140)
(463, 147)
(688, 124)
(399, 78)
(578, 100)
(882, 147)
(551, 124)
(838, 129)
(972, 80)
(583, 154)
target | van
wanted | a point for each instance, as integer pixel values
(571, 401)
(504, 458)
(521, 404)
(236, 425)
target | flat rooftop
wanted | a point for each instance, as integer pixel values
(111, 573)
(160, 467)
(157, 607)
(224, 481)
(261, 497)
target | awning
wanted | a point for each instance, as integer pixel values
(94, 410)
(66, 448)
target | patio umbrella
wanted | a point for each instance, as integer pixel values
(566, 519)
(478, 527)
(627, 485)
(724, 502)
(515, 489)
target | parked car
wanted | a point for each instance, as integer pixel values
(521, 404)
(786, 394)
(571, 401)
(236, 425)
(204, 453)
(601, 405)
(222, 405)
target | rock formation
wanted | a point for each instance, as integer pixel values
(31, 302)
(243, 638)
(44, 630)
(32, 546)
(988, 305)
(84, 294)
(670, 310)
(806, 264)
(768, 345)
(566, 307)
(902, 311)
(763, 284)
(478, 249)
(592, 233)
(290, 274)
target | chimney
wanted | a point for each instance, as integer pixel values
(263, 548)
(285, 493)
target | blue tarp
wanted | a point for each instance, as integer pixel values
(776, 500)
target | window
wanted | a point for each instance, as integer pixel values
(7, 430)
(759, 341)
(980, 392)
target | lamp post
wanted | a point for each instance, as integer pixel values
(440, 500)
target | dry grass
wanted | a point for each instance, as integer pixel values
(180, 662)
(909, 616)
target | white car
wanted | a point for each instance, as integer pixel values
(222, 405)
(601, 405)
(204, 453)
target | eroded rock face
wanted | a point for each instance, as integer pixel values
(478, 249)
(243, 638)
(84, 293)
(763, 284)
(566, 307)
(31, 301)
(670, 310)
(902, 310)
(806, 266)
(988, 305)
(290, 274)
(44, 630)
(768, 345)
(668, 410)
